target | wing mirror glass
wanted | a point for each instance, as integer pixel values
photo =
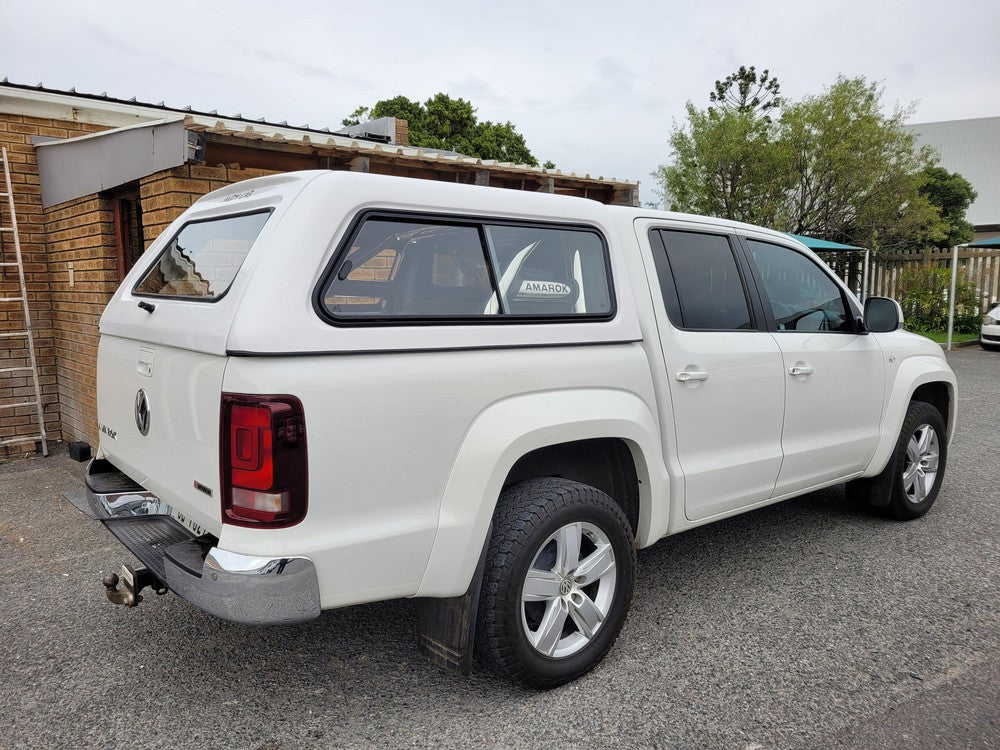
(883, 315)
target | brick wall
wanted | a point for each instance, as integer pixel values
(165, 195)
(15, 135)
(81, 233)
(65, 314)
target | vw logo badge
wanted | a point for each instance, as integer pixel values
(142, 412)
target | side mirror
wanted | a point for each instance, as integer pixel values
(883, 315)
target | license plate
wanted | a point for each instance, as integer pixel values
(186, 522)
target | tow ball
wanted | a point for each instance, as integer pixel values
(133, 580)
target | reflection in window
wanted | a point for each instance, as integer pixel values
(546, 271)
(203, 258)
(405, 268)
(410, 269)
(801, 296)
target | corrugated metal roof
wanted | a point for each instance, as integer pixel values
(103, 97)
(971, 148)
(391, 149)
(264, 130)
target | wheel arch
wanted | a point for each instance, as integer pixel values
(513, 436)
(608, 464)
(925, 380)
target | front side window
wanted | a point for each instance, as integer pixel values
(706, 281)
(202, 259)
(801, 296)
(400, 268)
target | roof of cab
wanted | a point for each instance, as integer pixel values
(446, 196)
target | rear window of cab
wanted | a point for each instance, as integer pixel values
(395, 269)
(201, 260)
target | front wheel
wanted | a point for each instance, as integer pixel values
(558, 581)
(909, 484)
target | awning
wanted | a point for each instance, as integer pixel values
(991, 242)
(73, 167)
(814, 243)
(818, 245)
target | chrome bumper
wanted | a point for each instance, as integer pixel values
(247, 589)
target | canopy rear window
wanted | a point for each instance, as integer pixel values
(202, 259)
(396, 269)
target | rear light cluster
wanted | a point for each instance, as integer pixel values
(264, 466)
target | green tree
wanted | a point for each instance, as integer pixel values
(831, 165)
(746, 91)
(451, 124)
(856, 170)
(727, 161)
(358, 116)
(952, 195)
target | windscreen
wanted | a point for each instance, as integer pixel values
(202, 259)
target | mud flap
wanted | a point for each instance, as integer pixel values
(447, 627)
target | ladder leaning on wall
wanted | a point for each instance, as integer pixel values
(10, 229)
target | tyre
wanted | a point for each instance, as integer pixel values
(909, 484)
(557, 583)
(990, 347)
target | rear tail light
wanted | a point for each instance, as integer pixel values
(264, 479)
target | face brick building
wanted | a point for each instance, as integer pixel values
(96, 179)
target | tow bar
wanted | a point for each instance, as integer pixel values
(133, 581)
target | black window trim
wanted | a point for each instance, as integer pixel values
(188, 297)
(761, 289)
(476, 221)
(749, 292)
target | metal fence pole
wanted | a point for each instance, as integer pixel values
(864, 281)
(951, 297)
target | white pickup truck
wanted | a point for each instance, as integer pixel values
(324, 388)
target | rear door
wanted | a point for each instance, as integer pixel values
(833, 373)
(162, 357)
(724, 373)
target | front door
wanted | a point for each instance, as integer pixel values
(724, 372)
(833, 374)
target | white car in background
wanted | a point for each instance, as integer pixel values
(989, 334)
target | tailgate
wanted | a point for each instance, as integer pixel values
(159, 408)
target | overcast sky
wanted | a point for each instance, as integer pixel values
(593, 86)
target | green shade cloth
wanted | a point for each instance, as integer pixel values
(991, 242)
(815, 244)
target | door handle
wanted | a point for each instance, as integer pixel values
(800, 370)
(686, 376)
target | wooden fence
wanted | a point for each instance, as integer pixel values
(980, 266)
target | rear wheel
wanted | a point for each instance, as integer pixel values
(909, 484)
(558, 581)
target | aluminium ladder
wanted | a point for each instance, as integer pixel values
(26, 332)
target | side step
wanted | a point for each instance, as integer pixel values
(104, 479)
(147, 537)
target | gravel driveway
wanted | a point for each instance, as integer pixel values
(802, 625)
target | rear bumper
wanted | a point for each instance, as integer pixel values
(240, 588)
